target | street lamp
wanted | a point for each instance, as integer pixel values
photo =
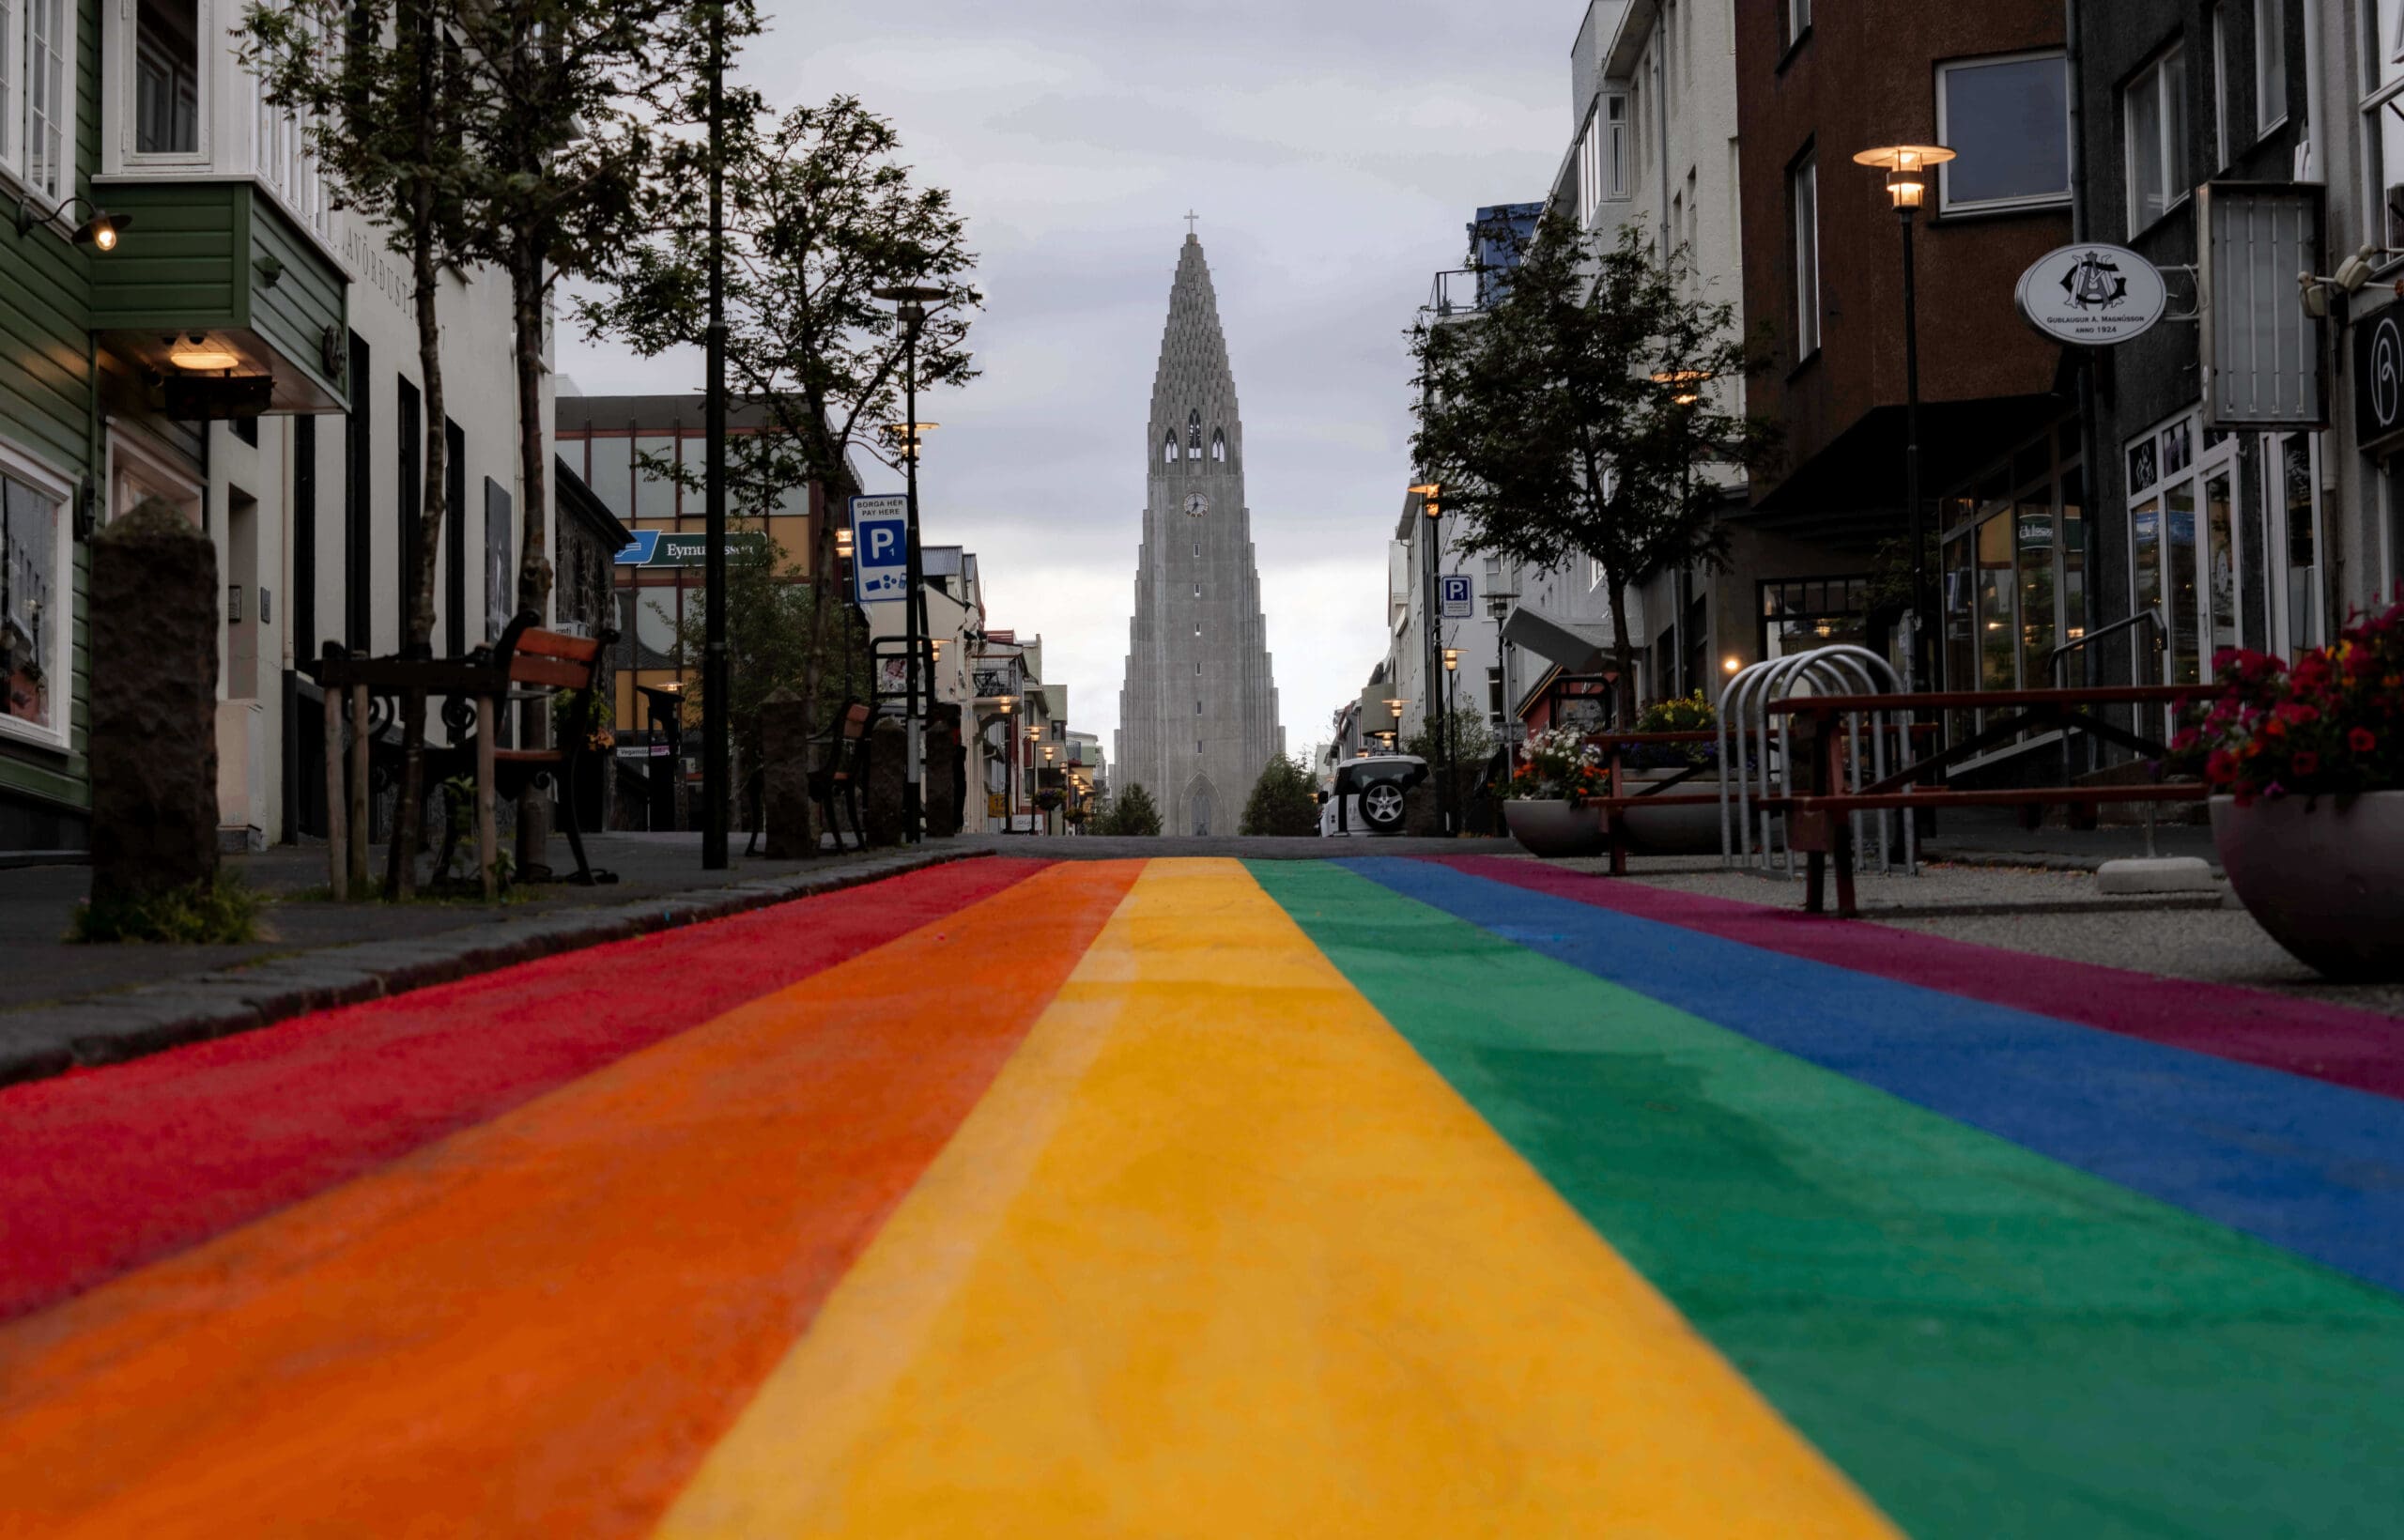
(1009, 751)
(1685, 389)
(910, 301)
(1906, 168)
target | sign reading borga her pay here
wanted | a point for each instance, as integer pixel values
(880, 548)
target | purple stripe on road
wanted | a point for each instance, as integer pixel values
(2333, 1044)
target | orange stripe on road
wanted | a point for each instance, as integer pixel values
(541, 1324)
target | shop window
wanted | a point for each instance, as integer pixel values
(2153, 118)
(33, 603)
(2186, 545)
(2007, 118)
(1800, 614)
(166, 77)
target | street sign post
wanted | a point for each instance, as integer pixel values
(1459, 601)
(880, 550)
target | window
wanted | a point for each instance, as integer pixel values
(1219, 445)
(166, 77)
(37, 99)
(1602, 157)
(2269, 65)
(1194, 435)
(280, 151)
(1798, 615)
(2382, 121)
(1803, 202)
(2154, 113)
(33, 602)
(2186, 540)
(2008, 119)
(1794, 19)
(1168, 448)
(2220, 84)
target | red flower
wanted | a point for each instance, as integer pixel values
(2306, 762)
(2361, 740)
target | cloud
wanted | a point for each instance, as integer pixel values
(1336, 151)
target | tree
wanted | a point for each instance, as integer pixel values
(1282, 801)
(580, 119)
(1569, 419)
(822, 217)
(374, 87)
(1131, 813)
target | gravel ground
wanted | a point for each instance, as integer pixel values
(2051, 913)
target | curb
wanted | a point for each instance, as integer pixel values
(2023, 861)
(109, 1029)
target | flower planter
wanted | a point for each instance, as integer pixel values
(1679, 829)
(1553, 827)
(2324, 875)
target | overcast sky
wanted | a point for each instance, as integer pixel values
(1335, 150)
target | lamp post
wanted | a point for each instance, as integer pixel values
(1005, 703)
(1452, 711)
(715, 725)
(1906, 168)
(1685, 389)
(1431, 502)
(1034, 731)
(910, 301)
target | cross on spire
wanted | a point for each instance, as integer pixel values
(1190, 217)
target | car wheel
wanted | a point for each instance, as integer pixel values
(1381, 808)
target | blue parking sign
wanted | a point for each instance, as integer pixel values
(1456, 596)
(880, 548)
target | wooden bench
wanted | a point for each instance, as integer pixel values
(843, 771)
(525, 656)
(1819, 819)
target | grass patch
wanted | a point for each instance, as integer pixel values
(224, 914)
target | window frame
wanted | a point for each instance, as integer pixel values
(1801, 177)
(2177, 183)
(2375, 98)
(125, 53)
(16, 103)
(1947, 204)
(2270, 21)
(57, 667)
(2220, 84)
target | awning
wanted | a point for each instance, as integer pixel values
(1573, 647)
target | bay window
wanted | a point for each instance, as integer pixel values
(2381, 127)
(1603, 156)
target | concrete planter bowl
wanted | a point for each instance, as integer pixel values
(1685, 829)
(1552, 828)
(2324, 875)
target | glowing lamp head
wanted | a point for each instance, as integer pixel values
(1730, 664)
(1906, 168)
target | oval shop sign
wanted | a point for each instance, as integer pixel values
(2091, 295)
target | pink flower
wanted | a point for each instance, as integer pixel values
(2306, 762)
(2361, 740)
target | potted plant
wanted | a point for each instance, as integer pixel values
(2306, 762)
(1679, 829)
(1557, 767)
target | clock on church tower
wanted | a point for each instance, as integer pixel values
(1197, 505)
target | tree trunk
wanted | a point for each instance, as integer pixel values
(1625, 649)
(533, 565)
(400, 873)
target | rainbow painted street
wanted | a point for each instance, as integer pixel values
(1200, 1198)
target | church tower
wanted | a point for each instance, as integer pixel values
(1197, 717)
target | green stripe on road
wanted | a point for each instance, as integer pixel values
(1991, 1343)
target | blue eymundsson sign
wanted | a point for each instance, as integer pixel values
(880, 548)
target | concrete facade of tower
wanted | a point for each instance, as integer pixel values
(1197, 716)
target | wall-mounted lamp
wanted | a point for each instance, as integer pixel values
(99, 232)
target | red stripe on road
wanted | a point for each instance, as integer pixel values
(2306, 1038)
(104, 1171)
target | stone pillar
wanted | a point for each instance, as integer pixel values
(942, 774)
(784, 753)
(888, 752)
(153, 741)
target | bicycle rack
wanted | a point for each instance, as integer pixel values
(1744, 717)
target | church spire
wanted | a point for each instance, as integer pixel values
(1194, 420)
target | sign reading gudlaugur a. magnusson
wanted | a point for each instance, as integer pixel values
(2091, 295)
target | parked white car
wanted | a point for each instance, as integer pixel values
(1368, 795)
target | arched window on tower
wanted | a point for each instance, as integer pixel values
(1219, 444)
(1194, 435)
(1168, 448)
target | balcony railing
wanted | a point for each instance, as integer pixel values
(1465, 291)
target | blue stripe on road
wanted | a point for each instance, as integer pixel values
(2315, 1169)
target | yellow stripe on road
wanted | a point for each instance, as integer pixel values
(1219, 1254)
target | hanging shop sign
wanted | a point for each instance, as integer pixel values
(2091, 295)
(2379, 381)
(664, 548)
